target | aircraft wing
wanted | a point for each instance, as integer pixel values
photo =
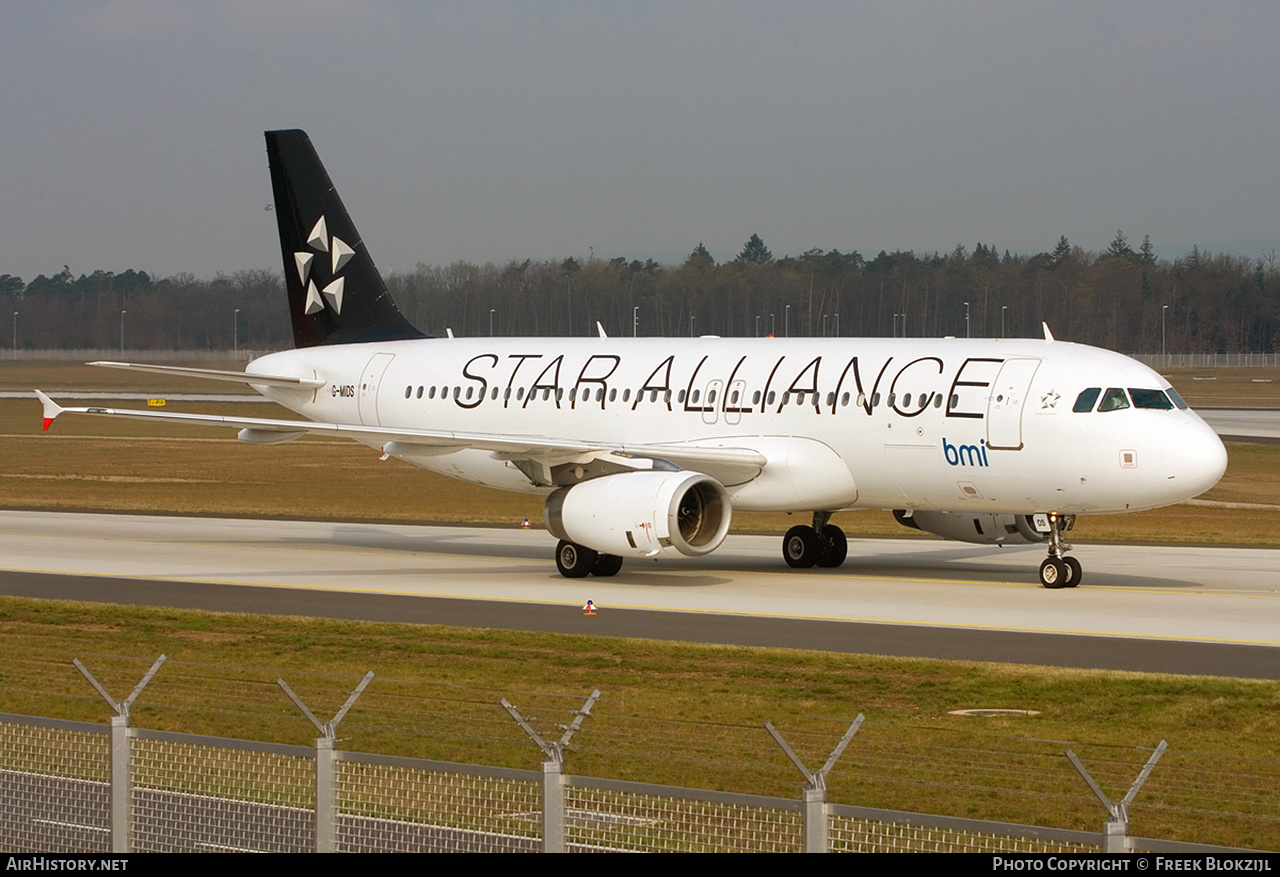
(728, 465)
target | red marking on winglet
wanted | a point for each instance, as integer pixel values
(47, 421)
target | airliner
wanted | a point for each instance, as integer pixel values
(643, 447)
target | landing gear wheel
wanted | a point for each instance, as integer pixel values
(574, 561)
(800, 547)
(607, 565)
(1053, 573)
(1074, 571)
(835, 547)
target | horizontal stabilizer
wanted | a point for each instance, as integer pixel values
(212, 374)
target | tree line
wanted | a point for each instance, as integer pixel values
(1122, 298)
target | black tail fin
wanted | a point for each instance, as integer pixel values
(336, 295)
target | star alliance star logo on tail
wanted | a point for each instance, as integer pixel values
(339, 253)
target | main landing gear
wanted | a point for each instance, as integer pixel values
(1060, 570)
(823, 544)
(576, 561)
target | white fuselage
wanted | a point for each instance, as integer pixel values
(983, 426)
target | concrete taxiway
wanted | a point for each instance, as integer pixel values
(1258, 425)
(1170, 608)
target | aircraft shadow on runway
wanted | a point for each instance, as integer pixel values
(920, 559)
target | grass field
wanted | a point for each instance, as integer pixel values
(1227, 387)
(683, 714)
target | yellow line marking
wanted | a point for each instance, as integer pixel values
(576, 604)
(830, 575)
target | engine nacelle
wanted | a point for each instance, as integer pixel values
(642, 514)
(981, 529)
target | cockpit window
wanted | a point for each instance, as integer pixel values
(1113, 400)
(1149, 399)
(1084, 402)
(1177, 400)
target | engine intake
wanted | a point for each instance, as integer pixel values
(642, 514)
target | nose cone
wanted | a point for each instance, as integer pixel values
(1193, 459)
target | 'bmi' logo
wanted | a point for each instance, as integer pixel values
(966, 455)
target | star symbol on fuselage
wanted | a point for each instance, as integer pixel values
(340, 254)
(1049, 400)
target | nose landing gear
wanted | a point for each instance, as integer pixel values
(1060, 570)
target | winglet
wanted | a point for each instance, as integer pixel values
(51, 409)
(600, 329)
(1048, 336)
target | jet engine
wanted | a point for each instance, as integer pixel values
(982, 529)
(642, 514)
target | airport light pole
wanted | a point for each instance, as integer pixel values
(757, 325)
(786, 323)
(635, 322)
(122, 313)
(15, 335)
(966, 321)
(491, 310)
(1003, 308)
(235, 331)
(1164, 360)
(836, 330)
(771, 328)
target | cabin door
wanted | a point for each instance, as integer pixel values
(370, 379)
(1004, 406)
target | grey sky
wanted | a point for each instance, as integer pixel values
(132, 129)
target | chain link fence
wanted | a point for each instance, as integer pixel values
(188, 793)
(1208, 360)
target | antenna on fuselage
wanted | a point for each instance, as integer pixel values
(600, 329)
(448, 332)
(1048, 336)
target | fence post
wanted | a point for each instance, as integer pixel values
(816, 836)
(326, 765)
(326, 794)
(553, 771)
(553, 805)
(121, 770)
(1115, 833)
(121, 784)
